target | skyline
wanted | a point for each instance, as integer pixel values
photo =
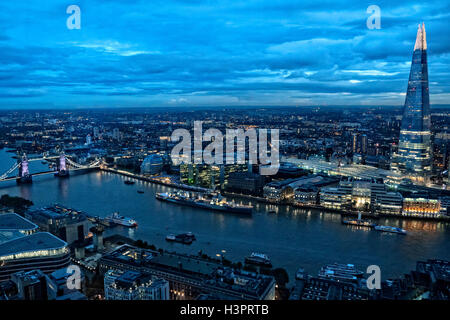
(211, 54)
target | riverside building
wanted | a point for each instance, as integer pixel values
(191, 276)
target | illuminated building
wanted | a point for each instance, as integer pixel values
(278, 191)
(209, 176)
(13, 223)
(319, 288)
(22, 248)
(359, 143)
(306, 196)
(152, 164)
(335, 198)
(40, 250)
(67, 224)
(284, 190)
(190, 276)
(358, 194)
(201, 175)
(355, 142)
(421, 207)
(361, 194)
(389, 203)
(445, 205)
(131, 285)
(356, 171)
(413, 157)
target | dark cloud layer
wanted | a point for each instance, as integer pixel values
(254, 52)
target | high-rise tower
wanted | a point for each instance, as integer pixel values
(414, 149)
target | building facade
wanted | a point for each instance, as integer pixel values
(421, 207)
(131, 285)
(413, 157)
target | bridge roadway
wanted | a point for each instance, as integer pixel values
(47, 172)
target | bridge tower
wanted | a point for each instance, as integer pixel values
(62, 167)
(24, 173)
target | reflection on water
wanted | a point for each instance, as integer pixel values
(292, 237)
(426, 226)
(63, 187)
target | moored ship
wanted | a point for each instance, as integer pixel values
(116, 218)
(259, 259)
(184, 238)
(359, 222)
(390, 229)
(204, 201)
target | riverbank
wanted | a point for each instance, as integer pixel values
(155, 180)
(265, 201)
(337, 211)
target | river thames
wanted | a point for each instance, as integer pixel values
(292, 237)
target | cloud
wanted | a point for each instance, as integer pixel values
(254, 52)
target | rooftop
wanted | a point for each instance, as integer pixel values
(57, 212)
(421, 39)
(7, 235)
(34, 242)
(350, 170)
(12, 221)
(185, 263)
(210, 273)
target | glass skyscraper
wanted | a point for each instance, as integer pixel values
(413, 157)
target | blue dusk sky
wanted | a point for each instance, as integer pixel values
(162, 53)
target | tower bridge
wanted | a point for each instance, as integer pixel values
(64, 165)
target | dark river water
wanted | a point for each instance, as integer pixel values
(291, 237)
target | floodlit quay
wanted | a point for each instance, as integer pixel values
(389, 203)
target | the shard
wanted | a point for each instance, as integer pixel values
(413, 157)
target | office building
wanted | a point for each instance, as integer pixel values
(22, 248)
(40, 250)
(59, 280)
(190, 276)
(245, 182)
(13, 223)
(357, 194)
(31, 285)
(389, 203)
(307, 196)
(335, 198)
(131, 285)
(152, 164)
(413, 157)
(421, 207)
(67, 224)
